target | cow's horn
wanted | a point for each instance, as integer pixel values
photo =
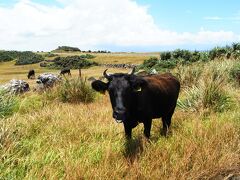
(133, 71)
(107, 76)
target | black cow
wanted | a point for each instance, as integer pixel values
(65, 70)
(138, 99)
(31, 74)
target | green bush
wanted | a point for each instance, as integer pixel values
(28, 57)
(184, 54)
(159, 65)
(165, 55)
(149, 63)
(204, 56)
(8, 55)
(67, 49)
(73, 62)
(50, 55)
(167, 64)
(236, 46)
(5, 57)
(87, 56)
(218, 52)
(9, 104)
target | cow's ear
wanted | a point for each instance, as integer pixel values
(99, 86)
(138, 83)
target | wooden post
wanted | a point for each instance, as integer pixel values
(80, 73)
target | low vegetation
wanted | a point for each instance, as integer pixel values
(21, 57)
(74, 90)
(73, 62)
(28, 57)
(66, 49)
(8, 55)
(8, 104)
(169, 60)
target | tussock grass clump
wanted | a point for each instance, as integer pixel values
(72, 91)
(208, 94)
(188, 75)
(235, 73)
(9, 104)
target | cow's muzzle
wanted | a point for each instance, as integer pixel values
(119, 116)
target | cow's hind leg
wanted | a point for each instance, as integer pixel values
(166, 120)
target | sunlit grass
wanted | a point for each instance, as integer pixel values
(48, 139)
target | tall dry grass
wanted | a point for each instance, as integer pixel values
(82, 141)
(55, 140)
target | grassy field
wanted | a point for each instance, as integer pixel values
(48, 139)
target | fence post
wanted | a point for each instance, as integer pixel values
(80, 72)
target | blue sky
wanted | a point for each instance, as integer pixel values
(189, 15)
(126, 25)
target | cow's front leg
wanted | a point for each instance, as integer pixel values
(128, 130)
(147, 127)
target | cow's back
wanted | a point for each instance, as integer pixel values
(159, 96)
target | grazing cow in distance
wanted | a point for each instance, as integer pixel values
(139, 99)
(65, 70)
(31, 74)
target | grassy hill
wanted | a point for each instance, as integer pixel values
(48, 139)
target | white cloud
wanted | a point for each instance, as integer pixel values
(90, 24)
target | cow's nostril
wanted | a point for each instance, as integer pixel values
(114, 115)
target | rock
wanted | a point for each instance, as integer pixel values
(48, 79)
(153, 71)
(16, 86)
(43, 64)
(91, 79)
(142, 73)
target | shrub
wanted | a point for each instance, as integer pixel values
(50, 55)
(195, 56)
(183, 54)
(149, 63)
(73, 62)
(28, 57)
(167, 64)
(8, 104)
(236, 46)
(165, 55)
(236, 54)
(5, 57)
(204, 56)
(67, 49)
(88, 56)
(9, 55)
(159, 65)
(217, 52)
